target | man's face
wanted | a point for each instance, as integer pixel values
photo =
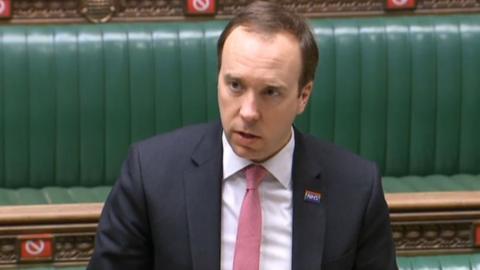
(258, 91)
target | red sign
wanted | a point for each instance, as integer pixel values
(5, 9)
(201, 7)
(401, 4)
(36, 247)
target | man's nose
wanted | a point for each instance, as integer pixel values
(249, 108)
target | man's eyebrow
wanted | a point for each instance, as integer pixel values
(278, 86)
(229, 76)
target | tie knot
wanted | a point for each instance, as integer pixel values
(254, 175)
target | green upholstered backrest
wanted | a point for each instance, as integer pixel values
(443, 262)
(404, 92)
(73, 97)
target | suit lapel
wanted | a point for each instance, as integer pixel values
(203, 198)
(308, 237)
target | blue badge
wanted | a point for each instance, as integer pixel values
(313, 197)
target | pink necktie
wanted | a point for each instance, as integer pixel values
(249, 233)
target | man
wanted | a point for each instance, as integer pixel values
(251, 193)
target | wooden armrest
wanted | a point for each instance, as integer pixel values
(432, 201)
(53, 214)
(90, 212)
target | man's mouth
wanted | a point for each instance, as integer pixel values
(247, 135)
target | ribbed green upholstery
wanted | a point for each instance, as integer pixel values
(444, 262)
(459, 182)
(53, 195)
(401, 91)
(77, 96)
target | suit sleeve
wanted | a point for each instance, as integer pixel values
(376, 249)
(123, 234)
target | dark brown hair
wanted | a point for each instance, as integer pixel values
(270, 18)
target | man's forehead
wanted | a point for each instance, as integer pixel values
(265, 59)
(240, 40)
(262, 33)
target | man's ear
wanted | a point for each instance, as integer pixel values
(304, 96)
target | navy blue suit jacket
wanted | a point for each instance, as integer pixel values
(164, 210)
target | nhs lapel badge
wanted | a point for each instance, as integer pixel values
(313, 197)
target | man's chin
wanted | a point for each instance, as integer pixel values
(246, 153)
(250, 154)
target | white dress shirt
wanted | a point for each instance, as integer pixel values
(276, 201)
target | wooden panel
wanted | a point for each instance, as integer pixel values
(422, 223)
(101, 11)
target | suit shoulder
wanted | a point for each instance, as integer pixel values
(175, 143)
(335, 152)
(338, 160)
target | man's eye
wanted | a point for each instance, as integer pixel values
(235, 86)
(273, 92)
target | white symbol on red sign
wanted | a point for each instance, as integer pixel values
(2, 6)
(400, 2)
(34, 247)
(201, 5)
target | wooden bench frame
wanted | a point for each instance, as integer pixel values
(435, 222)
(422, 223)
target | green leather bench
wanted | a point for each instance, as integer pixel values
(453, 262)
(401, 91)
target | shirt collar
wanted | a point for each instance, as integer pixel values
(280, 165)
